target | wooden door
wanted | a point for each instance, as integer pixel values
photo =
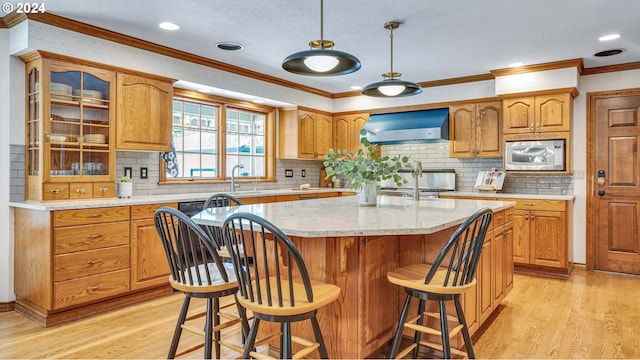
(617, 200)
(488, 134)
(461, 121)
(521, 236)
(548, 244)
(518, 115)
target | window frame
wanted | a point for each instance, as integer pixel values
(223, 104)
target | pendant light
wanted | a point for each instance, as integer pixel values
(321, 59)
(391, 85)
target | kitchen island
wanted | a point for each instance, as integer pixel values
(354, 247)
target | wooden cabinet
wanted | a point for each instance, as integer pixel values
(144, 112)
(538, 114)
(476, 130)
(346, 131)
(69, 128)
(304, 134)
(148, 260)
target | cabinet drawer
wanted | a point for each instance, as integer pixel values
(90, 288)
(53, 191)
(90, 216)
(147, 211)
(104, 190)
(92, 262)
(89, 237)
(498, 218)
(550, 205)
(80, 191)
(508, 215)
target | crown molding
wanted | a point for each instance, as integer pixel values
(577, 63)
(611, 68)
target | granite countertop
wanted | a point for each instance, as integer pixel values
(507, 195)
(156, 199)
(344, 217)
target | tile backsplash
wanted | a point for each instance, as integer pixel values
(433, 155)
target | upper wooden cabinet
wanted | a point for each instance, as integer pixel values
(346, 131)
(69, 128)
(475, 130)
(538, 114)
(304, 134)
(144, 113)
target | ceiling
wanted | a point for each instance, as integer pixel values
(437, 39)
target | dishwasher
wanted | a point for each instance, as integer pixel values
(191, 208)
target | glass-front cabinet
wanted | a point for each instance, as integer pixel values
(70, 127)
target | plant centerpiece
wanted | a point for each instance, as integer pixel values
(365, 169)
(125, 187)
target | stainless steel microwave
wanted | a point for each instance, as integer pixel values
(535, 155)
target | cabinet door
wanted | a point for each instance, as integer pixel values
(518, 115)
(144, 113)
(521, 236)
(553, 112)
(149, 265)
(508, 255)
(484, 280)
(488, 132)
(548, 238)
(306, 125)
(498, 264)
(461, 123)
(357, 123)
(323, 135)
(341, 132)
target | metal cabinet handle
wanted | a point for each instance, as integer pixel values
(526, 216)
(81, 190)
(56, 191)
(533, 216)
(509, 213)
(499, 218)
(91, 289)
(531, 126)
(91, 216)
(104, 189)
(96, 261)
(95, 236)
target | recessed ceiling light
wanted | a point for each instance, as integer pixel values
(609, 37)
(169, 26)
(516, 64)
(258, 101)
(229, 46)
(356, 87)
(608, 52)
(205, 90)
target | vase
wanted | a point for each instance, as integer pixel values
(125, 189)
(368, 194)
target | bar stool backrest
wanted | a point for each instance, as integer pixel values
(278, 271)
(461, 253)
(192, 256)
(216, 201)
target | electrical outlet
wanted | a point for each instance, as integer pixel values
(304, 173)
(144, 172)
(288, 173)
(128, 171)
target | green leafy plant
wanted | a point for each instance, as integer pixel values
(364, 166)
(126, 178)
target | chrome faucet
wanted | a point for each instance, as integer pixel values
(417, 171)
(233, 177)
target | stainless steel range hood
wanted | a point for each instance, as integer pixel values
(409, 127)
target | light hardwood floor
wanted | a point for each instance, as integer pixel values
(591, 315)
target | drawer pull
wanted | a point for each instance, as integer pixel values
(96, 261)
(56, 191)
(95, 236)
(81, 190)
(509, 213)
(499, 218)
(526, 216)
(532, 216)
(104, 189)
(94, 215)
(91, 289)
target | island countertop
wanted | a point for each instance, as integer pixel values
(344, 217)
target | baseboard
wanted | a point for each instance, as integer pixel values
(7, 306)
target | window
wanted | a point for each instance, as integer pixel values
(211, 137)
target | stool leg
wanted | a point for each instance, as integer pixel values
(398, 336)
(444, 328)
(465, 330)
(216, 322)
(251, 338)
(178, 331)
(418, 334)
(286, 335)
(208, 329)
(322, 349)
(242, 312)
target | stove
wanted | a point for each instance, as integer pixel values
(430, 184)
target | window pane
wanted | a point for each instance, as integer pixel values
(209, 117)
(192, 165)
(209, 143)
(258, 124)
(192, 141)
(232, 144)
